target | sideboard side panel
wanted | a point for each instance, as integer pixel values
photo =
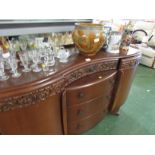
(126, 74)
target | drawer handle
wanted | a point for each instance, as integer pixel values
(78, 126)
(81, 95)
(108, 97)
(111, 81)
(80, 112)
(105, 111)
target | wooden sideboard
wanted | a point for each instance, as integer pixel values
(71, 101)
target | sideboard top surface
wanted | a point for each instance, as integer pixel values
(75, 61)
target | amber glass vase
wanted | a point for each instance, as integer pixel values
(88, 38)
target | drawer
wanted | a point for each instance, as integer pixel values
(79, 94)
(78, 127)
(87, 108)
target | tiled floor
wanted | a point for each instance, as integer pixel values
(137, 115)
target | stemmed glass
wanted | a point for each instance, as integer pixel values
(39, 47)
(14, 65)
(3, 77)
(51, 59)
(45, 63)
(23, 54)
(35, 56)
(56, 43)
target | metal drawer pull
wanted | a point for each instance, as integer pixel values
(105, 111)
(81, 95)
(111, 81)
(108, 97)
(78, 126)
(80, 112)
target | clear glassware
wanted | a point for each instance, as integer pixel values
(45, 63)
(24, 58)
(40, 47)
(49, 60)
(43, 49)
(107, 31)
(7, 64)
(14, 66)
(3, 76)
(21, 47)
(114, 41)
(23, 40)
(30, 58)
(35, 55)
(39, 41)
(63, 55)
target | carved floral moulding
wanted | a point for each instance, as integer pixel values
(89, 69)
(42, 94)
(31, 98)
(130, 63)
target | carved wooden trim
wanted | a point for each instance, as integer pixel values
(33, 97)
(90, 69)
(42, 94)
(130, 63)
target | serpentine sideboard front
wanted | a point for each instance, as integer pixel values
(71, 101)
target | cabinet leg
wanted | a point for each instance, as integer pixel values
(116, 113)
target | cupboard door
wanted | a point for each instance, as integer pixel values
(42, 118)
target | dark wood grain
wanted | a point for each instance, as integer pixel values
(87, 123)
(125, 77)
(36, 103)
(86, 97)
(43, 118)
(91, 87)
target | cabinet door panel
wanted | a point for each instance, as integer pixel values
(42, 118)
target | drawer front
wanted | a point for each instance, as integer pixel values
(88, 108)
(89, 91)
(78, 127)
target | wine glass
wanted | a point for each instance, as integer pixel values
(3, 77)
(45, 63)
(35, 56)
(14, 65)
(23, 55)
(40, 47)
(51, 59)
